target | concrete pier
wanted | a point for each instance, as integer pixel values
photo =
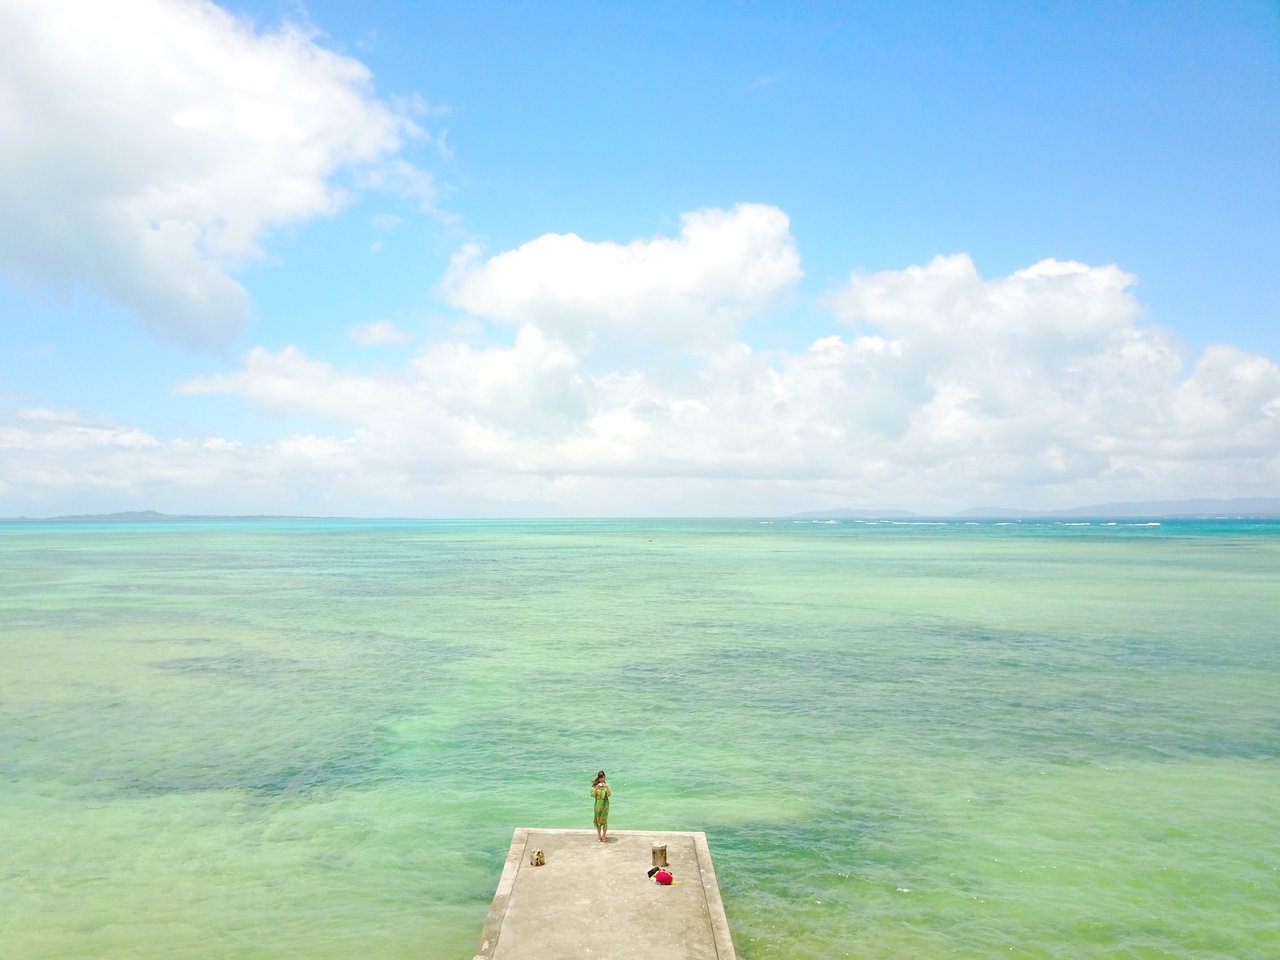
(595, 900)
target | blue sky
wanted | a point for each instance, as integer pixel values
(668, 259)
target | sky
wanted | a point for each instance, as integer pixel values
(668, 259)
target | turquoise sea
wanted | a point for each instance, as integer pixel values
(313, 739)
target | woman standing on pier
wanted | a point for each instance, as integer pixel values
(600, 791)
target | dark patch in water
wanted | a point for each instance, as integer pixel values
(248, 666)
(358, 766)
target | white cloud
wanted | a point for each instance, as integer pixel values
(1043, 388)
(403, 178)
(291, 383)
(532, 390)
(149, 144)
(1045, 382)
(1230, 405)
(379, 333)
(497, 396)
(47, 430)
(946, 301)
(692, 289)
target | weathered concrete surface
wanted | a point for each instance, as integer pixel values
(595, 900)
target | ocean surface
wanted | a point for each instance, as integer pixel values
(313, 739)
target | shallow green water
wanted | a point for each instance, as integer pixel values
(259, 739)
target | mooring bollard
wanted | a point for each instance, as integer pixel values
(659, 854)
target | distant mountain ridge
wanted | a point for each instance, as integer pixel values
(1240, 507)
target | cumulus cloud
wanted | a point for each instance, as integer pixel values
(1229, 406)
(937, 389)
(1047, 303)
(1042, 386)
(149, 144)
(379, 333)
(46, 430)
(290, 383)
(524, 393)
(533, 390)
(691, 289)
(47, 455)
(1048, 379)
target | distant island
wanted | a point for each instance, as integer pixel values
(1204, 509)
(136, 515)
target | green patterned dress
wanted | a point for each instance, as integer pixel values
(601, 793)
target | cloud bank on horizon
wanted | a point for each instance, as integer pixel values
(154, 149)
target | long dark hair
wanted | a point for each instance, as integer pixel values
(599, 777)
